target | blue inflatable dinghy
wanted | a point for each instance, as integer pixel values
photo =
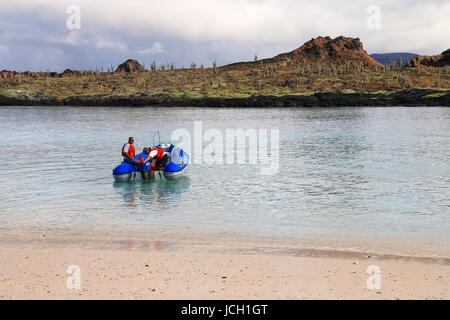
(175, 166)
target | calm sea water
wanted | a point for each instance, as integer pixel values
(347, 175)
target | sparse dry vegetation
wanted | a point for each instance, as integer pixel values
(284, 78)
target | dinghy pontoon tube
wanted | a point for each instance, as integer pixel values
(176, 166)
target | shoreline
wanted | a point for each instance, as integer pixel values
(160, 269)
(326, 248)
(413, 97)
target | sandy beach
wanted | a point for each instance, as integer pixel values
(184, 270)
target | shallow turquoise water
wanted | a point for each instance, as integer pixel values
(346, 174)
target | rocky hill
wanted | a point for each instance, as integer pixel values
(440, 60)
(324, 50)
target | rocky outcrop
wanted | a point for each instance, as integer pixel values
(130, 66)
(5, 74)
(71, 73)
(440, 60)
(337, 51)
(324, 50)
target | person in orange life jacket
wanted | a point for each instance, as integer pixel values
(154, 155)
(129, 153)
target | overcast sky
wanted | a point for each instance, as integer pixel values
(34, 34)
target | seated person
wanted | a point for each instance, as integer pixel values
(144, 160)
(129, 153)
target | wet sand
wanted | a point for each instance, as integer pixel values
(186, 270)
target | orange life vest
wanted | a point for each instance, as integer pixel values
(131, 151)
(160, 154)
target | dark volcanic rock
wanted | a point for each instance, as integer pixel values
(415, 97)
(440, 60)
(70, 73)
(130, 65)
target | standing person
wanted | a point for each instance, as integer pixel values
(129, 153)
(158, 158)
(154, 157)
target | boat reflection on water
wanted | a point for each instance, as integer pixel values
(160, 195)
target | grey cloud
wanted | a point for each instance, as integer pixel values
(33, 34)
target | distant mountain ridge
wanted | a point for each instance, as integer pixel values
(387, 58)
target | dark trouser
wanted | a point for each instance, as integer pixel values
(130, 161)
(163, 162)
